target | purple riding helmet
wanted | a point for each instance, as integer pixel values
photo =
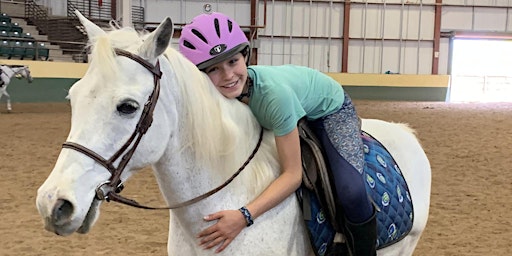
(211, 38)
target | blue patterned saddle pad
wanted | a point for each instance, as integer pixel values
(387, 186)
(388, 189)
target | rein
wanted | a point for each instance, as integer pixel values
(109, 190)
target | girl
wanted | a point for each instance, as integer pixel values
(279, 96)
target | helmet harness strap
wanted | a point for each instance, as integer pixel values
(249, 90)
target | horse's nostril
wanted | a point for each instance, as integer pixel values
(62, 211)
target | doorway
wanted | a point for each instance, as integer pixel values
(481, 71)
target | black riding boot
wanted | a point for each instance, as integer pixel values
(362, 237)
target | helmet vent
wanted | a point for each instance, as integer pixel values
(217, 27)
(188, 45)
(198, 34)
(230, 26)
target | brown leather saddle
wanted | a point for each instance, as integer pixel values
(316, 173)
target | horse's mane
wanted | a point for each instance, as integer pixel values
(218, 130)
(221, 129)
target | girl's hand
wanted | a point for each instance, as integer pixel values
(229, 224)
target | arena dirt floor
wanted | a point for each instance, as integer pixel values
(469, 146)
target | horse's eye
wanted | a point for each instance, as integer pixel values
(128, 107)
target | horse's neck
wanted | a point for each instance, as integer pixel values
(177, 172)
(181, 177)
(19, 71)
(10, 72)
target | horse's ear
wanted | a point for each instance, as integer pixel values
(93, 30)
(158, 41)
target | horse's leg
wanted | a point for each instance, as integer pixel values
(1, 93)
(9, 108)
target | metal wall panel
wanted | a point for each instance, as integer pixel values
(385, 35)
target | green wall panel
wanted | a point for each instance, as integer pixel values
(397, 93)
(56, 89)
(40, 90)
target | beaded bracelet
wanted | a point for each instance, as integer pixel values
(247, 215)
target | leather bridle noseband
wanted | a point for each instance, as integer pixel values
(109, 190)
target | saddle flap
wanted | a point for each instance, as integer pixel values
(316, 172)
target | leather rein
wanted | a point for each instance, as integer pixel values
(110, 189)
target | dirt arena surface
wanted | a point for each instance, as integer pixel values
(469, 147)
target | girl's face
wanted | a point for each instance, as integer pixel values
(229, 76)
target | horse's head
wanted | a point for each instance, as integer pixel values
(108, 106)
(25, 72)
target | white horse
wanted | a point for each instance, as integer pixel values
(197, 140)
(8, 72)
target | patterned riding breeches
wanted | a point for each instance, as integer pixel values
(340, 136)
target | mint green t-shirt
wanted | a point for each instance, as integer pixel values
(282, 95)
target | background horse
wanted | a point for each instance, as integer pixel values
(8, 72)
(196, 141)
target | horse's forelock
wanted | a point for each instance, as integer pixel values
(103, 54)
(103, 57)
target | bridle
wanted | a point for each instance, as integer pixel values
(110, 189)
